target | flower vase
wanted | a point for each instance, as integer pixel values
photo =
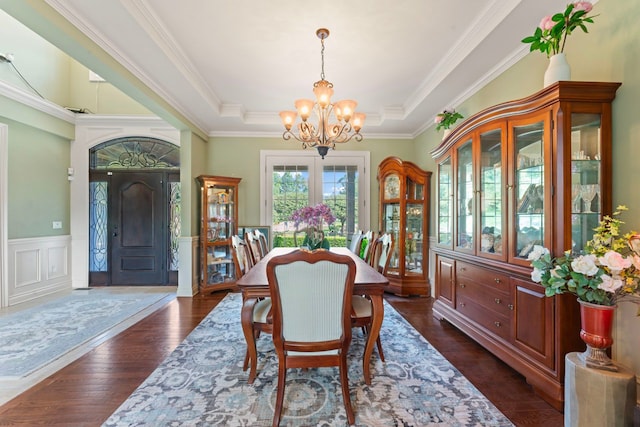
(557, 70)
(446, 133)
(596, 324)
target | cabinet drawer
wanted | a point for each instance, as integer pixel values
(485, 295)
(497, 281)
(496, 323)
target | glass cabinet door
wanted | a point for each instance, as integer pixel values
(445, 205)
(392, 226)
(464, 202)
(414, 233)
(491, 185)
(529, 188)
(586, 204)
(219, 228)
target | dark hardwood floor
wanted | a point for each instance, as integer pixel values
(88, 390)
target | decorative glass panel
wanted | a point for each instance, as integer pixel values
(414, 238)
(529, 187)
(465, 197)
(586, 173)
(290, 192)
(491, 191)
(135, 153)
(445, 207)
(98, 260)
(174, 224)
(340, 193)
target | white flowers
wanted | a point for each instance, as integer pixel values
(585, 264)
(537, 253)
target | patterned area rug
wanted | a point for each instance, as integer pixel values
(34, 337)
(202, 384)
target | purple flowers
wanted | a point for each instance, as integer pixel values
(313, 216)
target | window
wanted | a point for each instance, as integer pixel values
(293, 179)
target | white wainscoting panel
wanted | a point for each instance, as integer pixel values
(38, 266)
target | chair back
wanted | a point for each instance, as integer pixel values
(241, 257)
(382, 253)
(262, 240)
(254, 247)
(311, 295)
(356, 239)
(366, 246)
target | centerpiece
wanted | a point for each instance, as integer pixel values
(607, 273)
(551, 35)
(312, 219)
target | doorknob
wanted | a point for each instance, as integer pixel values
(115, 231)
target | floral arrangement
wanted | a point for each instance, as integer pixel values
(446, 119)
(551, 35)
(313, 218)
(608, 272)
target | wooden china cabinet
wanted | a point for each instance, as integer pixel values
(404, 213)
(535, 171)
(218, 222)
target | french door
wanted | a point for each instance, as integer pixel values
(294, 179)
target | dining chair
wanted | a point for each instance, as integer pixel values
(262, 240)
(254, 247)
(366, 245)
(261, 313)
(311, 297)
(356, 239)
(362, 312)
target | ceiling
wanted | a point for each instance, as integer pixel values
(229, 66)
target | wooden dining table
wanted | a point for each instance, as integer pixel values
(254, 286)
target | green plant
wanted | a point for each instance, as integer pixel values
(446, 119)
(607, 273)
(551, 35)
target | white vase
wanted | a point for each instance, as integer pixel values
(446, 133)
(557, 70)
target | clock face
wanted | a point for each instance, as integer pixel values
(392, 187)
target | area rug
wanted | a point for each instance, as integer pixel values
(202, 384)
(35, 337)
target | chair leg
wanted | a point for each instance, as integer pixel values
(378, 344)
(282, 379)
(344, 381)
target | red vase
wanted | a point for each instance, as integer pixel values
(596, 326)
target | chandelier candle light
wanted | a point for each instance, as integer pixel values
(337, 123)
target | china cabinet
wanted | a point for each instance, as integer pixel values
(218, 222)
(535, 171)
(404, 213)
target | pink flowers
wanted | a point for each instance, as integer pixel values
(313, 216)
(551, 35)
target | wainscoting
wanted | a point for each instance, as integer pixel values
(36, 267)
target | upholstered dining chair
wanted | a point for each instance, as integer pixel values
(311, 296)
(263, 244)
(356, 240)
(261, 315)
(366, 245)
(362, 312)
(254, 247)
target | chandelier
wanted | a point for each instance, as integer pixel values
(336, 123)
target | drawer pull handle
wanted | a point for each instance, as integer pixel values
(497, 324)
(462, 304)
(463, 269)
(510, 306)
(497, 280)
(498, 301)
(462, 285)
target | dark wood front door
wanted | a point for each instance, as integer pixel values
(137, 217)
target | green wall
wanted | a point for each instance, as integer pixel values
(38, 188)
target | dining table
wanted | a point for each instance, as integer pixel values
(368, 282)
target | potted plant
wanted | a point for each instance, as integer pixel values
(551, 35)
(607, 273)
(446, 119)
(312, 218)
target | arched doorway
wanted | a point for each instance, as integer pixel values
(134, 212)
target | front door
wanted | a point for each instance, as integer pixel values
(138, 228)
